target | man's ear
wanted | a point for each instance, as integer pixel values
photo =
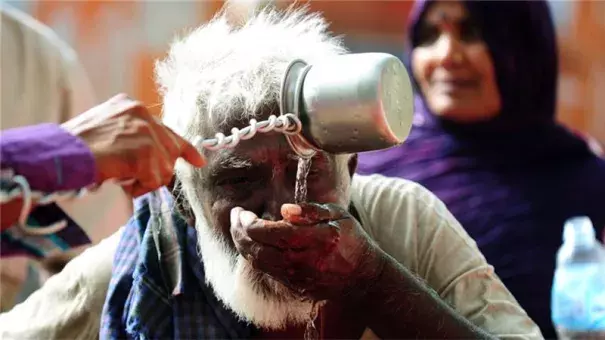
(352, 165)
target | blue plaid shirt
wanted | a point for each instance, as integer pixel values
(158, 290)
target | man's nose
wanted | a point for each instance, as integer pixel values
(448, 50)
(280, 194)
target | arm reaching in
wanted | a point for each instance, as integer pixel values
(118, 139)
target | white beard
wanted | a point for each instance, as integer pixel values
(254, 298)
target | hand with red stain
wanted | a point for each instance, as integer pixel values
(317, 250)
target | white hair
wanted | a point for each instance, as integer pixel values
(222, 71)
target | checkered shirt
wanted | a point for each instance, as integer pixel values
(158, 289)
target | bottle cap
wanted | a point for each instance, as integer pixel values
(579, 230)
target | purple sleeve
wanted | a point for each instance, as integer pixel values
(50, 158)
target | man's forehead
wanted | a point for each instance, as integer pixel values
(266, 149)
(262, 148)
(241, 120)
(258, 149)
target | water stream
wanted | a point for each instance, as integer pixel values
(300, 188)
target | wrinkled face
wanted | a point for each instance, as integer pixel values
(257, 175)
(452, 65)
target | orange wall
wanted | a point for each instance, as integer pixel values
(111, 41)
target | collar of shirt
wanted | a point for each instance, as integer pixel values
(158, 289)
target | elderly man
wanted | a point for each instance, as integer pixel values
(225, 253)
(379, 254)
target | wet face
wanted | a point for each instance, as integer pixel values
(257, 175)
(452, 65)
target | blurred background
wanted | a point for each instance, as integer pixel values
(118, 41)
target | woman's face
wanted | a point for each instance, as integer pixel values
(453, 67)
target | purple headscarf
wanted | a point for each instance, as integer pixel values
(512, 181)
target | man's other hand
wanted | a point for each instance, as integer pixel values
(130, 143)
(318, 250)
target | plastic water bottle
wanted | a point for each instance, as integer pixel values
(578, 291)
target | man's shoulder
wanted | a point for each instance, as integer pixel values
(396, 209)
(152, 212)
(397, 212)
(375, 191)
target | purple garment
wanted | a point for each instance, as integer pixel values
(50, 159)
(513, 181)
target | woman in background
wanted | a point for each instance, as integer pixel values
(486, 142)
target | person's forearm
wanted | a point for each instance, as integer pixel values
(50, 159)
(399, 305)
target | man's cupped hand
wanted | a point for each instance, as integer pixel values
(318, 250)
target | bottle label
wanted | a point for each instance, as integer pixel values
(578, 297)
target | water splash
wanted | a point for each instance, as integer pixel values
(300, 196)
(300, 188)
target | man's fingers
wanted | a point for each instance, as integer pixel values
(311, 213)
(282, 234)
(234, 217)
(266, 259)
(287, 236)
(253, 251)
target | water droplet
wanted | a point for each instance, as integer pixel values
(355, 131)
